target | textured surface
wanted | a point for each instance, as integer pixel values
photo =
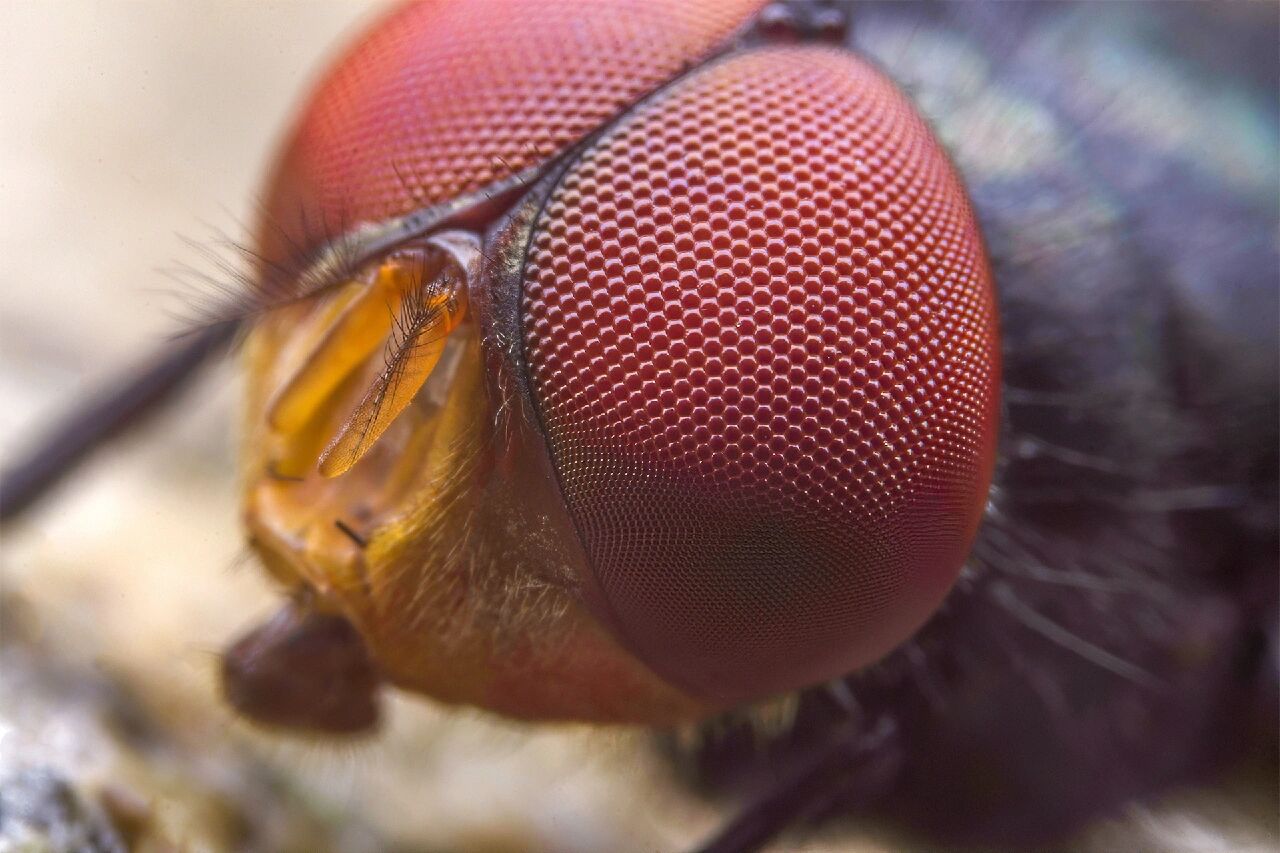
(443, 98)
(763, 339)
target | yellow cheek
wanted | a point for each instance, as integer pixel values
(452, 575)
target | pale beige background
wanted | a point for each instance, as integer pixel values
(122, 125)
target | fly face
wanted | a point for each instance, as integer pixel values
(617, 365)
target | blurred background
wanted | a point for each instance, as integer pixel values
(126, 125)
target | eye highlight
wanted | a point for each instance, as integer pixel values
(762, 338)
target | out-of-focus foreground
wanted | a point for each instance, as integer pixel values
(125, 125)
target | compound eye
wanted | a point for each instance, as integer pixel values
(762, 338)
(447, 100)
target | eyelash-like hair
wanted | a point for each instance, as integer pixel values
(229, 281)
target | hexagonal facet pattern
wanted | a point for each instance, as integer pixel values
(445, 97)
(762, 336)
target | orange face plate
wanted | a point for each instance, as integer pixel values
(763, 339)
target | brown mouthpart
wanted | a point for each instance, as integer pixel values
(305, 671)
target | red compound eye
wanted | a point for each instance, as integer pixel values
(445, 98)
(762, 338)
